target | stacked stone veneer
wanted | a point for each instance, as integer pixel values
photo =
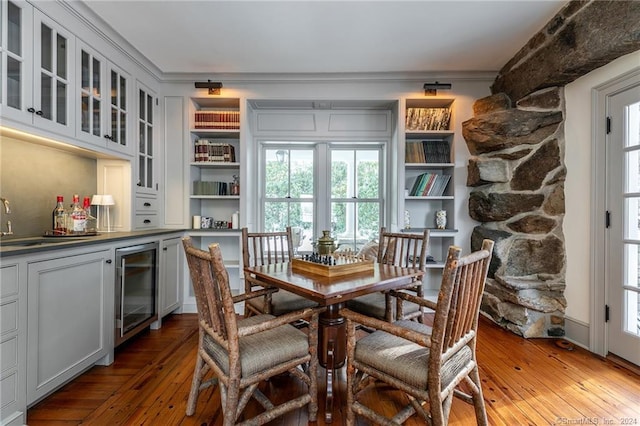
(517, 173)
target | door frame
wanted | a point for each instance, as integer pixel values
(598, 338)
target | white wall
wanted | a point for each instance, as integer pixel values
(578, 191)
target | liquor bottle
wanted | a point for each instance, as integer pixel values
(59, 217)
(91, 222)
(78, 217)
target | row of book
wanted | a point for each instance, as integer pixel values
(429, 151)
(429, 185)
(211, 188)
(428, 118)
(206, 151)
(217, 120)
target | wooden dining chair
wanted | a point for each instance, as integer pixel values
(398, 249)
(241, 353)
(426, 364)
(266, 248)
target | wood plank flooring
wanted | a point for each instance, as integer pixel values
(525, 382)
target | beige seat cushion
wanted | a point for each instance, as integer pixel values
(406, 360)
(264, 350)
(282, 302)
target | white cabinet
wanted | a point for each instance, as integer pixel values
(429, 169)
(103, 101)
(13, 346)
(70, 312)
(37, 59)
(171, 262)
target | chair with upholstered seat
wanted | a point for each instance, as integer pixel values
(427, 364)
(266, 248)
(242, 353)
(399, 249)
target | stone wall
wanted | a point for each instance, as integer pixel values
(517, 173)
(517, 165)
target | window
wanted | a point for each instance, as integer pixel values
(320, 186)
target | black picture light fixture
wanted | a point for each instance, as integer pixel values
(213, 86)
(431, 89)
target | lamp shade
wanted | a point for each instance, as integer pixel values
(107, 200)
(96, 200)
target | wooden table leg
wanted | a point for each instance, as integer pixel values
(332, 354)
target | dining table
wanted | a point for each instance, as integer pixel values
(333, 292)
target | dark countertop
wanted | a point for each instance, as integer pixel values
(29, 245)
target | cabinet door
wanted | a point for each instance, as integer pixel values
(16, 61)
(70, 311)
(91, 95)
(171, 275)
(147, 155)
(117, 113)
(53, 70)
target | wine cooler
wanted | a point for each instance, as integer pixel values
(136, 290)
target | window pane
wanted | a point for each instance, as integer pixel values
(367, 170)
(46, 98)
(114, 124)
(96, 77)
(85, 113)
(633, 171)
(632, 312)
(632, 261)
(342, 177)
(355, 223)
(123, 93)
(276, 173)
(633, 125)
(141, 138)
(61, 57)
(85, 71)
(14, 83)
(14, 29)
(96, 117)
(632, 225)
(149, 140)
(149, 109)
(142, 104)
(276, 215)
(301, 173)
(114, 88)
(123, 128)
(61, 103)
(45, 48)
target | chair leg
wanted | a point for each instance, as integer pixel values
(230, 403)
(478, 398)
(195, 386)
(351, 417)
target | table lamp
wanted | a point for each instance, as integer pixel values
(104, 201)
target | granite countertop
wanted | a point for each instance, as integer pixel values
(28, 245)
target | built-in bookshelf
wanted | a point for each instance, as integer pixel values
(429, 170)
(214, 195)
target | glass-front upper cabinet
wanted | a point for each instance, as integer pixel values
(117, 113)
(36, 61)
(147, 156)
(91, 95)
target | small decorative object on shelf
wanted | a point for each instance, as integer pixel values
(441, 219)
(407, 219)
(235, 186)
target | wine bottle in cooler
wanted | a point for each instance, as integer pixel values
(59, 225)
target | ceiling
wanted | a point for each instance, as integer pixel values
(352, 36)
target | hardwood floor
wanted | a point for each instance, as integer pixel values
(525, 382)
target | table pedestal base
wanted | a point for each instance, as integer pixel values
(332, 353)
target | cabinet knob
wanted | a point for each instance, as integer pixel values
(39, 113)
(147, 221)
(31, 110)
(108, 261)
(164, 249)
(147, 204)
(108, 137)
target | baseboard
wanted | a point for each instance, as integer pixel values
(577, 332)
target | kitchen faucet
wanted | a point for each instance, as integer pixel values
(7, 210)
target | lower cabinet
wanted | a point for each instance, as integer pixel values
(13, 345)
(70, 318)
(171, 261)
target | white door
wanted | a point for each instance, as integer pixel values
(623, 205)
